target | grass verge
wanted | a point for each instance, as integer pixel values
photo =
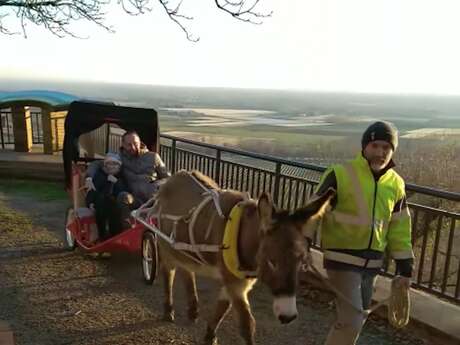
(43, 191)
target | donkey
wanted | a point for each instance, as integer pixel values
(270, 246)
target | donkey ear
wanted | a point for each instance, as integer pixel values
(308, 216)
(318, 205)
(265, 210)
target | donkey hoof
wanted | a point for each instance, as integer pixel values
(193, 315)
(168, 317)
(210, 341)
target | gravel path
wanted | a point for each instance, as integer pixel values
(54, 297)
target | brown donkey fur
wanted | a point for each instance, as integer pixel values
(270, 242)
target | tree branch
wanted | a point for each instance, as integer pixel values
(176, 17)
(243, 10)
(58, 15)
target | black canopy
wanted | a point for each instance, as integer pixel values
(85, 116)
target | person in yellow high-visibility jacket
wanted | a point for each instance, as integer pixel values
(369, 217)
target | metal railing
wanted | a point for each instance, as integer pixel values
(436, 232)
(7, 132)
(6, 124)
(37, 127)
(6, 128)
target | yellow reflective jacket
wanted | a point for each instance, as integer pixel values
(363, 218)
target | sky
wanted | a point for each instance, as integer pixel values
(388, 46)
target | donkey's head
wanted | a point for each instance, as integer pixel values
(283, 249)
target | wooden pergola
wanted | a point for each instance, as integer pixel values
(53, 107)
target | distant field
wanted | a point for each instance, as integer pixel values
(242, 118)
(433, 133)
(425, 143)
(292, 132)
(236, 137)
(339, 121)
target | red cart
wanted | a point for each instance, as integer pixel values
(80, 223)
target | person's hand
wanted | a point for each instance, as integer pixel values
(112, 179)
(307, 262)
(403, 281)
(150, 179)
(89, 185)
(91, 206)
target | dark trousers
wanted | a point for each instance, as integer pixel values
(107, 216)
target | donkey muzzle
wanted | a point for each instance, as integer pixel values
(285, 309)
(286, 319)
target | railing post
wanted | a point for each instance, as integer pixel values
(1, 130)
(173, 156)
(56, 134)
(276, 190)
(107, 138)
(22, 129)
(217, 171)
(48, 136)
(8, 117)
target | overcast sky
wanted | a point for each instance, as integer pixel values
(396, 46)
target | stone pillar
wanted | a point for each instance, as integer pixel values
(22, 128)
(57, 126)
(53, 130)
(47, 132)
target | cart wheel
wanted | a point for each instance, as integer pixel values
(149, 257)
(69, 238)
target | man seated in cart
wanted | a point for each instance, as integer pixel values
(141, 171)
(103, 189)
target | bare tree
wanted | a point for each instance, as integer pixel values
(57, 15)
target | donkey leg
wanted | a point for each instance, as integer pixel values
(223, 307)
(188, 279)
(239, 298)
(168, 311)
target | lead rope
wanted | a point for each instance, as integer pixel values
(398, 308)
(398, 305)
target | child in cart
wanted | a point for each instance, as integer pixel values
(103, 190)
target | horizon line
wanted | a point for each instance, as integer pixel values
(298, 90)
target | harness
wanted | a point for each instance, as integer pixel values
(152, 210)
